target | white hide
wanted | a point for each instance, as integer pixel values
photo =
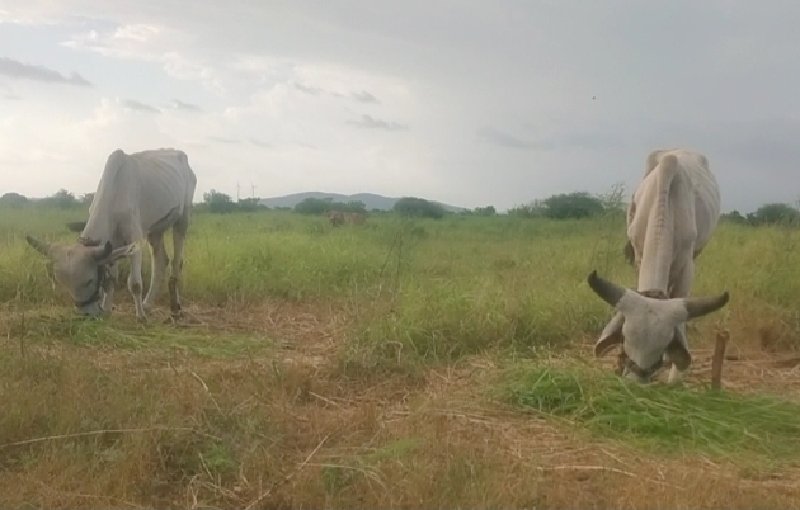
(139, 197)
(136, 192)
(671, 218)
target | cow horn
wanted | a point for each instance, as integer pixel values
(43, 248)
(699, 306)
(609, 292)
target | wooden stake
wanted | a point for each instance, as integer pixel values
(719, 357)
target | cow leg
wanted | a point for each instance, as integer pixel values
(135, 283)
(680, 288)
(175, 279)
(108, 288)
(158, 266)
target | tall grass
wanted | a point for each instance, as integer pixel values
(433, 289)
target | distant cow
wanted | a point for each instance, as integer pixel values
(338, 218)
(139, 195)
(673, 214)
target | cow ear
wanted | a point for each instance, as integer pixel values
(101, 253)
(611, 335)
(677, 352)
(629, 254)
(118, 253)
(43, 248)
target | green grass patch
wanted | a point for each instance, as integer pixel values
(658, 416)
(126, 333)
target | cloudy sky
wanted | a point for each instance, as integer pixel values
(467, 102)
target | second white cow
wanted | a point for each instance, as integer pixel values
(670, 220)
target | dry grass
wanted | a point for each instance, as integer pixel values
(99, 428)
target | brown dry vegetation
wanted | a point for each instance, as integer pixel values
(257, 403)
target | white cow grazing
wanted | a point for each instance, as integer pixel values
(671, 218)
(140, 195)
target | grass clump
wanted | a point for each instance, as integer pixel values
(659, 416)
(46, 328)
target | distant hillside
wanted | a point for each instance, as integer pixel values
(371, 200)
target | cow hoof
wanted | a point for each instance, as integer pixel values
(175, 317)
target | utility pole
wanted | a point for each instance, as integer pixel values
(237, 191)
(253, 190)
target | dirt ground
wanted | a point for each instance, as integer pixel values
(400, 441)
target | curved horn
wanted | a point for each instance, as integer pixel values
(699, 306)
(609, 292)
(611, 335)
(43, 248)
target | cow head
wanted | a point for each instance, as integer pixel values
(82, 270)
(648, 326)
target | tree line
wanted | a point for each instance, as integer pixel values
(561, 206)
(767, 214)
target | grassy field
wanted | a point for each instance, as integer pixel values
(398, 364)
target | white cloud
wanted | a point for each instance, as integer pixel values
(149, 43)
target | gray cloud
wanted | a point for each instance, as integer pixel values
(139, 107)
(177, 104)
(19, 70)
(370, 122)
(260, 143)
(222, 139)
(503, 139)
(307, 90)
(364, 97)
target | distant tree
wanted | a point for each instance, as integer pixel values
(734, 217)
(62, 199)
(412, 206)
(13, 199)
(485, 211)
(572, 205)
(534, 209)
(322, 205)
(775, 213)
(613, 201)
(356, 206)
(218, 202)
(248, 205)
(313, 206)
